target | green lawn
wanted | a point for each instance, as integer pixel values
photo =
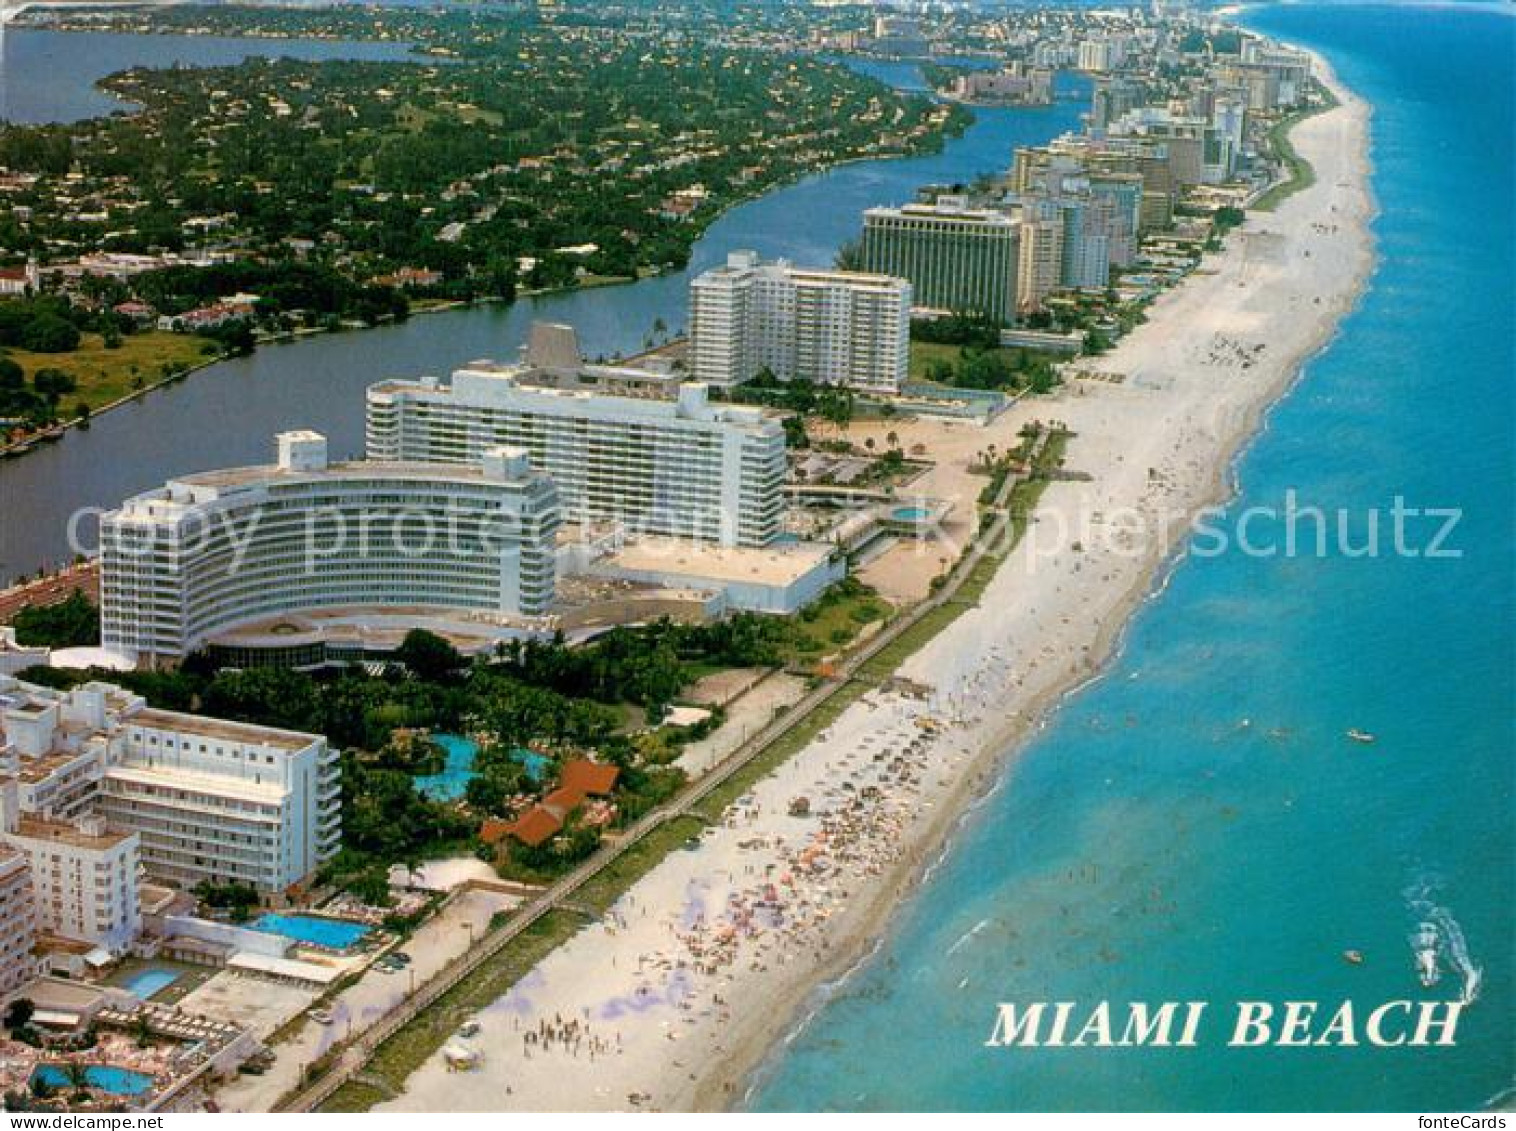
(106, 375)
(1302, 176)
(833, 621)
(1018, 360)
(923, 354)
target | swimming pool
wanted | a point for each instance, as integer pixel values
(452, 780)
(535, 764)
(458, 768)
(910, 514)
(333, 934)
(145, 983)
(106, 1077)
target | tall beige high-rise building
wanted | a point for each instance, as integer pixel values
(957, 258)
(1040, 266)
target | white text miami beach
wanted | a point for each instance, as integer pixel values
(1252, 1024)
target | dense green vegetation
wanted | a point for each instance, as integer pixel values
(646, 664)
(63, 355)
(236, 899)
(513, 148)
(289, 292)
(962, 329)
(605, 699)
(997, 369)
(979, 361)
(71, 623)
(799, 399)
(46, 324)
(40, 324)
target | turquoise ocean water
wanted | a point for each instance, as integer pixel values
(1195, 826)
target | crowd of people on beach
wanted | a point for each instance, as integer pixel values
(571, 1036)
(790, 864)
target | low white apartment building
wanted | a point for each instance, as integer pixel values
(832, 327)
(84, 875)
(203, 799)
(683, 467)
(18, 922)
(214, 552)
(55, 748)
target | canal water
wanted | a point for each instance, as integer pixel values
(227, 413)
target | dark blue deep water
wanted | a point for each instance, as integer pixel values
(1148, 846)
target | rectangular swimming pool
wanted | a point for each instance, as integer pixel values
(105, 1077)
(333, 934)
(145, 983)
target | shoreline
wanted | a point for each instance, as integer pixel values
(744, 1016)
(1104, 653)
(736, 1088)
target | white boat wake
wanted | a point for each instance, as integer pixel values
(1439, 939)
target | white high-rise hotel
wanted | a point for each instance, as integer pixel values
(94, 785)
(686, 467)
(830, 327)
(213, 552)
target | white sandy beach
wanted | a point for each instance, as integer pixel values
(670, 1001)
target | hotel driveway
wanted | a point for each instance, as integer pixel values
(431, 948)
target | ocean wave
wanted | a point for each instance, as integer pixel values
(968, 935)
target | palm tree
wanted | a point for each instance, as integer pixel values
(78, 1079)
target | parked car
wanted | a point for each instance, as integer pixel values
(321, 1016)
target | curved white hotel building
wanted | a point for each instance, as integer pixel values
(210, 553)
